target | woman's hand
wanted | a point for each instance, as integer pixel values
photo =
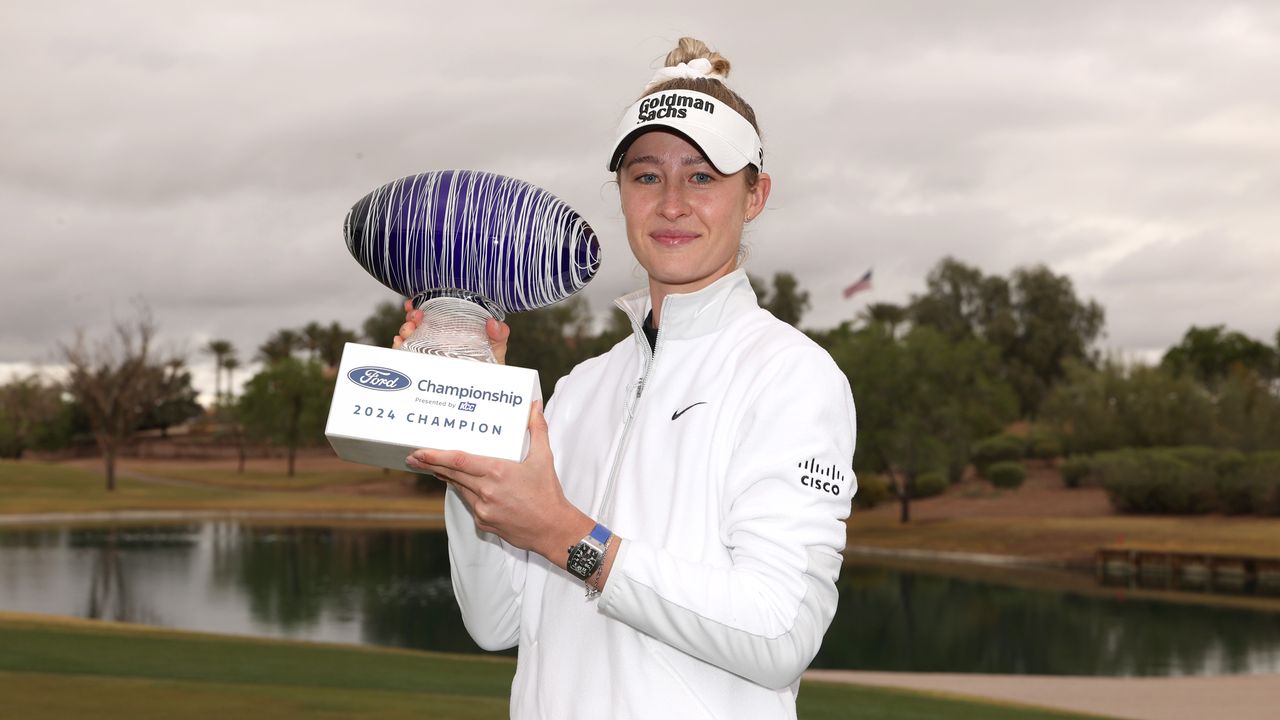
(498, 332)
(523, 502)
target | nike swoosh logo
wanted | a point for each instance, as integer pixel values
(678, 413)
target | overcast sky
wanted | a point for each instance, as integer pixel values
(201, 156)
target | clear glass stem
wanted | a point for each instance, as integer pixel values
(452, 327)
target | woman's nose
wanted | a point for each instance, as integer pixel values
(674, 205)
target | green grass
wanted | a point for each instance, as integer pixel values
(32, 487)
(53, 668)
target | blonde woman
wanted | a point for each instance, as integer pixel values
(670, 546)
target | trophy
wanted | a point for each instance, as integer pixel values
(466, 246)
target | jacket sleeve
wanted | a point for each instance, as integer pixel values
(488, 574)
(787, 494)
(488, 577)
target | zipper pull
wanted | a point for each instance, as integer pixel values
(633, 398)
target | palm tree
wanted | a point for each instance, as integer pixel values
(334, 339)
(887, 314)
(313, 337)
(231, 363)
(279, 346)
(219, 349)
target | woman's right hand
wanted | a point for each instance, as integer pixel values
(498, 332)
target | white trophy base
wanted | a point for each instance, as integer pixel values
(388, 403)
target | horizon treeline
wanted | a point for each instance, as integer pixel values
(958, 362)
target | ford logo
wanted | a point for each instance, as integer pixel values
(379, 378)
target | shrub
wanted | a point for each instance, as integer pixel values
(930, 484)
(1157, 481)
(1224, 463)
(1006, 474)
(1183, 480)
(1044, 446)
(1263, 469)
(1078, 472)
(872, 490)
(1242, 495)
(997, 448)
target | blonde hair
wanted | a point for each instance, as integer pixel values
(688, 49)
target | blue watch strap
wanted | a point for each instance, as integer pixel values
(601, 533)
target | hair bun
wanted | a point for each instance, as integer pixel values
(691, 49)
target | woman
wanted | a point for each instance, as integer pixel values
(694, 478)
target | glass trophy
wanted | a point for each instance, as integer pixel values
(466, 246)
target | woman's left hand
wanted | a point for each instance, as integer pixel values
(523, 502)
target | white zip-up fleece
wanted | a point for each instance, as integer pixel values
(723, 461)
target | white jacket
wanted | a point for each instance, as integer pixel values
(730, 448)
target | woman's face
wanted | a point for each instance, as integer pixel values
(684, 218)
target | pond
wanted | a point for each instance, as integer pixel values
(391, 587)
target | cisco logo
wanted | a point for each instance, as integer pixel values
(378, 378)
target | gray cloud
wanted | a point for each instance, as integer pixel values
(202, 156)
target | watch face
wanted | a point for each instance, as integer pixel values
(583, 560)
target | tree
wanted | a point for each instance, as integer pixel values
(333, 340)
(230, 364)
(172, 400)
(887, 314)
(952, 303)
(551, 340)
(1034, 319)
(1246, 411)
(1210, 354)
(114, 381)
(229, 413)
(287, 402)
(219, 349)
(922, 400)
(279, 346)
(311, 338)
(384, 324)
(28, 406)
(1117, 406)
(786, 301)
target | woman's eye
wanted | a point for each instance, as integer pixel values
(647, 179)
(702, 178)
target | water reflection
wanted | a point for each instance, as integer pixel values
(393, 584)
(896, 620)
(391, 587)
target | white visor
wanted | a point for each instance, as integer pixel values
(724, 136)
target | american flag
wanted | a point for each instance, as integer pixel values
(864, 283)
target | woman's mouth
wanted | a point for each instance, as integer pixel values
(672, 238)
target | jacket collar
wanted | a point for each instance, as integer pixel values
(690, 315)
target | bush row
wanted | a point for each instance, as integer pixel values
(874, 489)
(1007, 448)
(1188, 480)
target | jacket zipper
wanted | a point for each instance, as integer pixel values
(606, 503)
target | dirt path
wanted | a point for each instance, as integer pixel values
(1239, 697)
